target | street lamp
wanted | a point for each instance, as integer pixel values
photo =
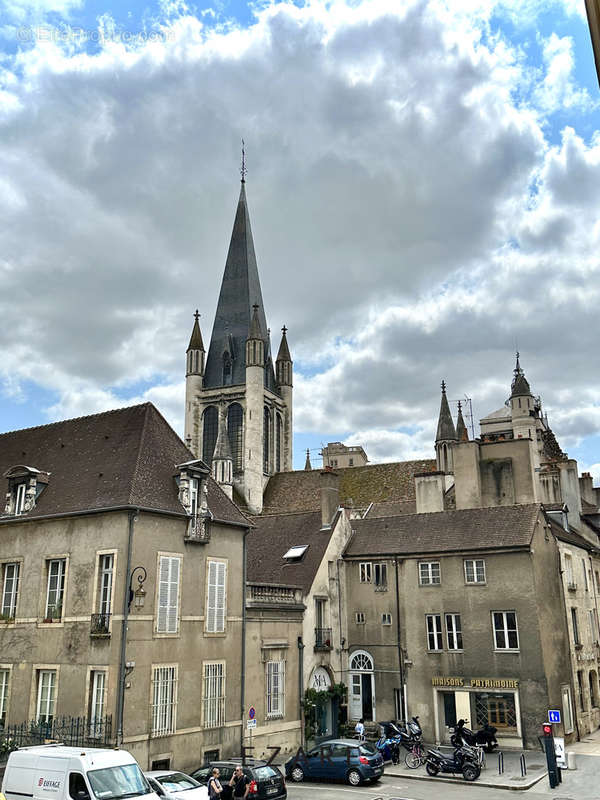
(140, 593)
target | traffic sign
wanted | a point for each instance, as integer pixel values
(554, 716)
(251, 712)
(250, 723)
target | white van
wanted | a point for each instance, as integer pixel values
(56, 772)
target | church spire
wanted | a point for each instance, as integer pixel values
(307, 464)
(283, 365)
(461, 429)
(445, 429)
(519, 385)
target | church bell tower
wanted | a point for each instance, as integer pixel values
(238, 388)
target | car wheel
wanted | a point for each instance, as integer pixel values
(354, 777)
(297, 774)
(432, 769)
(471, 772)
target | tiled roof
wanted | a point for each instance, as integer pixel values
(570, 536)
(119, 458)
(445, 531)
(392, 509)
(274, 536)
(372, 483)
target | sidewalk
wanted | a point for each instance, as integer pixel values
(511, 778)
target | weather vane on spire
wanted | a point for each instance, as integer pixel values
(243, 170)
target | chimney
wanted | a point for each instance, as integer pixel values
(330, 496)
(586, 487)
(429, 491)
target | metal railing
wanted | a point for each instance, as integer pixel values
(198, 529)
(100, 625)
(73, 731)
(323, 639)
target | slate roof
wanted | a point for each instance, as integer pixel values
(392, 509)
(273, 536)
(445, 531)
(118, 458)
(196, 342)
(570, 536)
(240, 290)
(371, 483)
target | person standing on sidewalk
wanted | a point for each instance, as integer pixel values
(240, 783)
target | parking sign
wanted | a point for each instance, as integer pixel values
(554, 716)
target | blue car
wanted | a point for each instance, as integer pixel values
(337, 759)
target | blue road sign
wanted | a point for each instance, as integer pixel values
(554, 716)
(251, 712)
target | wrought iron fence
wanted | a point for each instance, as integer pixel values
(73, 731)
(100, 625)
(323, 639)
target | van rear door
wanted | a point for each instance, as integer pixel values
(49, 778)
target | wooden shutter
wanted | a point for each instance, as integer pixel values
(216, 606)
(168, 594)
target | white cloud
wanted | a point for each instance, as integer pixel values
(558, 91)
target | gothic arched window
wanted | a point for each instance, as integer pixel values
(266, 439)
(278, 429)
(235, 428)
(209, 433)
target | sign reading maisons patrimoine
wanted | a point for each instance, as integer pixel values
(477, 683)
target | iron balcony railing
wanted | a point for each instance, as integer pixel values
(198, 529)
(100, 625)
(323, 639)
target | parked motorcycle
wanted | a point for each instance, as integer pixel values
(463, 760)
(485, 737)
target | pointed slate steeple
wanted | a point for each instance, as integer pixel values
(445, 429)
(283, 364)
(461, 429)
(520, 385)
(307, 464)
(196, 342)
(240, 291)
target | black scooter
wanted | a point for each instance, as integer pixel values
(485, 737)
(464, 760)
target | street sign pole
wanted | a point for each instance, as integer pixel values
(554, 775)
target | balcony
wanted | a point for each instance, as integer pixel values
(323, 639)
(381, 587)
(198, 529)
(273, 594)
(100, 626)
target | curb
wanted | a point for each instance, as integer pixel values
(481, 783)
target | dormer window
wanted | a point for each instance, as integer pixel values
(295, 554)
(193, 496)
(25, 484)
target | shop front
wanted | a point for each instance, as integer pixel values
(321, 707)
(479, 700)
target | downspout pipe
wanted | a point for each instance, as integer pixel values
(403, 698)
(122, 660)
(243, 676)
(301, 646)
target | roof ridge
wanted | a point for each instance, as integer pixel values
(76, 419)
(537, 506)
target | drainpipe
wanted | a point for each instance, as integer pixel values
(403, 698)
(301, 647)
(123, 656)
(243, 676)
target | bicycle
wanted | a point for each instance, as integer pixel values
(416, 756)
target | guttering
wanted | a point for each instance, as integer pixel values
(243, 677)
(403, 698)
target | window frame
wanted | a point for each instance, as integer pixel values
(454, 644)
(358, 614)
(20, 490)
(166, 611)
(475, 581)
(5, 688)
(430, 576)
(575, 625)
(386, 618)
(62, 578)
(434, 633)
(365, 571)
(275, 689)
(380, 580)
(211, 629)
(14, 590)
(214, 707)
(52, 694)
(505, 630)
(94, 692)
(163, 700)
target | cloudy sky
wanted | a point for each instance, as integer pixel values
(423, 182)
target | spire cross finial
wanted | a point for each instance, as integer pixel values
(243, 170)
(196, 315)
(444, 387)
(284, 330)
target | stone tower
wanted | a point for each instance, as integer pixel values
(445, 438)
(239, 374)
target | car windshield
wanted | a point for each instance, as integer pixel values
(177, 782)
(115, 783)
(262, 773)
(368, 749)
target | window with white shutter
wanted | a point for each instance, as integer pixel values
(216, 596)
(169, 571)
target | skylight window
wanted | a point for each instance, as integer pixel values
(296, 553)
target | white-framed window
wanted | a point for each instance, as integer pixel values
(46, 695)
(429, 573)
(585, 577)
(20, 492)
(474, 570)
(97, 706)
(454, 632)
(169, 573)
(434, 631)
(569, 572)
(56, 588)
(193, 496)
(106, 564)
(359, 617)
(380, 575)
(164, 700)
(575, 624)
(506, 635)
(213, 694)
(365, 571)
(4, 684)
(386, 619)
(10, 589)
(216, 596)
(275, 688)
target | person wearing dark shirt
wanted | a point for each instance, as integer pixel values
(240, 783)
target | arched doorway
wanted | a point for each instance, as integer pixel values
(362, 686)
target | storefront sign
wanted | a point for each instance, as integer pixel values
(320, 679)
(476, 683)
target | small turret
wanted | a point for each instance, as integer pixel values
(283, 365)
(461, 429)
(222, 461)
(194, 379)
(255, 344)
(446, 436)
(195, 351)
